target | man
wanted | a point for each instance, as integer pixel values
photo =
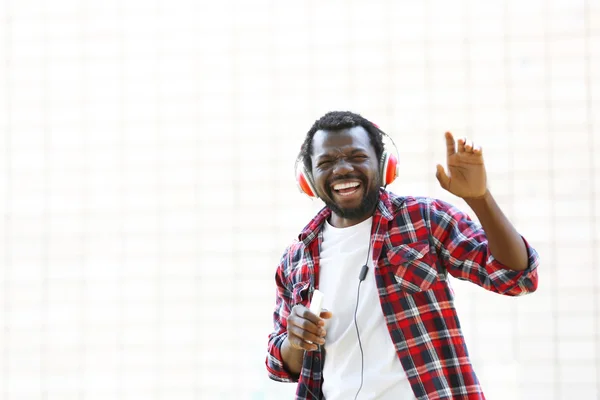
(390, 329)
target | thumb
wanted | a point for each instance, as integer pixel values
(442, 178)
(325, 314)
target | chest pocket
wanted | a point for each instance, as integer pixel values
(413, 266)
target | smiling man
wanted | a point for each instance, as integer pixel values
(390, 329)
(350, 185)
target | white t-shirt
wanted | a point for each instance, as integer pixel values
(343, 253)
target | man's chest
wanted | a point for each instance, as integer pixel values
(402, 264)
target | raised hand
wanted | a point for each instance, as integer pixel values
(466, 175)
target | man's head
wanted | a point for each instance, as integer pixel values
(342, 151)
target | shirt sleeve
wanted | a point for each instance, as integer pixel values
(463, 249)
(283, 300)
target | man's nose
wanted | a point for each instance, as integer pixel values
(342, 167)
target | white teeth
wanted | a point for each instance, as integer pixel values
(346, 185)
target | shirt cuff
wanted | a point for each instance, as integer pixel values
(513, 282)
(274, 363)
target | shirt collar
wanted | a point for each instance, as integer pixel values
(311, 231)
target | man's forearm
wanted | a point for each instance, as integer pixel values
(292, 358)
(506, 244)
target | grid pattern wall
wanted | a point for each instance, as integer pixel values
(147, 185)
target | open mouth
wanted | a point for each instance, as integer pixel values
(346, 188)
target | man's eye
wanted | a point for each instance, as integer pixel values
(324, 164)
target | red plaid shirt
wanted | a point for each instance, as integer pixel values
(420, 241)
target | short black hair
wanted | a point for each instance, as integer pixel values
(335, 121)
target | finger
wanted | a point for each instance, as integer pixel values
(477, 150)
(306, 314)
(303, 312)
(450, 144)
(461, 145)
(468, 145)
(299, 343)
(326, 314)
(442, 177)
(306, 336)
(306, 324)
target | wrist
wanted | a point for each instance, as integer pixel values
(292, 358)
(478, 200)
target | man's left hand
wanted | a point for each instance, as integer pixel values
(466, 175)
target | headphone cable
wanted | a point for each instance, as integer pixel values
(361, 278)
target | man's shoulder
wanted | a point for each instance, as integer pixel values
(292, 255)
(419, 206)
(400, 204)
(416, 201)
(295, 248)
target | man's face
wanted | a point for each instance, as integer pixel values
(345, 169)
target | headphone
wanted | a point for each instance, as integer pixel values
(388, 170)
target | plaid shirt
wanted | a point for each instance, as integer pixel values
(420, 241)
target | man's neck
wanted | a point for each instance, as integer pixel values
(339, 222)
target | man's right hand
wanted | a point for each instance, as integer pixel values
(305, 329)
(302, 327)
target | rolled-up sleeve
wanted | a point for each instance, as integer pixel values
(283, 299)
(463, 248)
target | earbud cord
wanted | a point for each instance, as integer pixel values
(361, 278)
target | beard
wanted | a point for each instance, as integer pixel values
(366, 207)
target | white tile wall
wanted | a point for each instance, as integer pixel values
(147, 179)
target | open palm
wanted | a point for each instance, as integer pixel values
(466, 176)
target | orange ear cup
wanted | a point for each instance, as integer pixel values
(390, 169)
(304, 183)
